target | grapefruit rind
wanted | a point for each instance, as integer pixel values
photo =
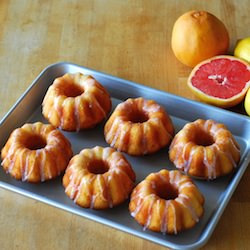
(216, 101)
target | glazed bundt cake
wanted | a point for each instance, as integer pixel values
(76, 101)
(36, 152)
(98, 178)
(167, 202)
(205, 149)
(138, 127)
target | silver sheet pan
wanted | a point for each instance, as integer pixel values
(217, 193)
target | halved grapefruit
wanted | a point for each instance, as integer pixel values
(221, 80)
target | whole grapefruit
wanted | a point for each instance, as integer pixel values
(198, 35)
(221, 80)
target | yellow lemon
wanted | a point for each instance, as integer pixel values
(242, 49)
(247, 102)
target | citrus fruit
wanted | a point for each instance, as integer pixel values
(242, 49)
(247, 102)
(198, 35)
(221, 80)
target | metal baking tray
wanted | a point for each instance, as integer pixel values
(217, 193)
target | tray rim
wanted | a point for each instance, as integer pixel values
(129, 82)
(232, 185)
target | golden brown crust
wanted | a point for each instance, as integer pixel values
(98, 178)
(36, 152)
(76, 101)
(205, 149)
(138, 127)
(167, 202)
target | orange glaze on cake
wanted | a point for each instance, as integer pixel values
(98, 178)
(76, 101)
(138, 127)
(205, 149)
(36, 153)
(167, 202)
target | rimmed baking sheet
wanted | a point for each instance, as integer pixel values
(217, 193)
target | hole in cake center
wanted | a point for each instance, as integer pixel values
(98, 167)
(72, 90)
(138, 116)
(202, 138)
(35, 142)
(167, 191)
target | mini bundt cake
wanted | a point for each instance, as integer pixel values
(98, 178)
(167, 202)
(75, 102)
(36, 152)
(138, 127)
(205, 149)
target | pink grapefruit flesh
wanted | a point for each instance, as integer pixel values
(221, 81)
